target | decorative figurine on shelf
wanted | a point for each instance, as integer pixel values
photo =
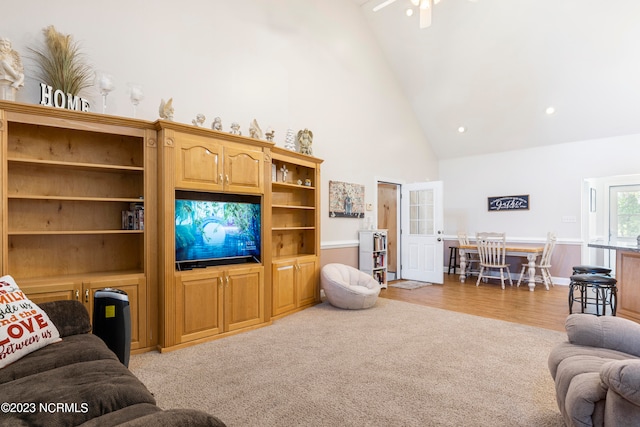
(105, 85)
(305, 139)
(307, 182)
(290, 140)
(135, 95)
(199, 120)
(284, 171)
(11, 71)
(166, 109)
(235, 129)
(254, 130)
(217, 124)
(269, 134)
(299, 182)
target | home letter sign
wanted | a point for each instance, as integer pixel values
(59, 99)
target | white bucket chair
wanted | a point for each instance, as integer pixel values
(348, 287)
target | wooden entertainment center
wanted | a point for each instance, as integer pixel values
(68, 176)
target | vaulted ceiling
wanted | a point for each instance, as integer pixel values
(495, 66)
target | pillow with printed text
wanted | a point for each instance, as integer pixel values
(24, 327)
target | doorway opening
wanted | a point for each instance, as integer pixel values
(388, 215)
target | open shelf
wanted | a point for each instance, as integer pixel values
(67, 146)
(294, 215)
(84, 166)
(41, 255)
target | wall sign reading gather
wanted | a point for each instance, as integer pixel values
(508, 203)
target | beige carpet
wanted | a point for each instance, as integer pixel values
(396, 364)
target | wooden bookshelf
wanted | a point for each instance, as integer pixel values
(373, 254)
(67, 178)
(295, 231)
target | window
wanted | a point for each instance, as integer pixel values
(421, 212)
(624, 212)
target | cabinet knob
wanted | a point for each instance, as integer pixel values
(86, 295)
(227, 176)
(77, 295)
(220, 176)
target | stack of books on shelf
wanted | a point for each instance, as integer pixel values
(380, 276)
(378, 260)
(133, 219)
(379, 242)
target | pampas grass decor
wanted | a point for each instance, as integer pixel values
(62, 65)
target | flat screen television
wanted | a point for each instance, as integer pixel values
(216, 229)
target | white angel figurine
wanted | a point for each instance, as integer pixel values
(199, 120)
(254, 130)
(305, 140)
(217, 124)
(166, 109)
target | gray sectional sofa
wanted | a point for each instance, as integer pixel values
(79, 381)
(597, 371)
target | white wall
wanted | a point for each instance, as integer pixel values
(287, 63)
(552, 176)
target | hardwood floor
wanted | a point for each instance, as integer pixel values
(541, 308)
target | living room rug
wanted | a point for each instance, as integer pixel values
(395, 364)
(409, 284)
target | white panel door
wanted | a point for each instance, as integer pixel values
(421, 235)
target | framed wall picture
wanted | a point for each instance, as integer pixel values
(346, 200)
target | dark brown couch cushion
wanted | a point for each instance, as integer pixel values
(92, 388)
(142, 415)
(69, 316)
(72, 349)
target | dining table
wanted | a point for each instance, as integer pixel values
(529, 252)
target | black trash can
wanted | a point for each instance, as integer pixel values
(112, 321)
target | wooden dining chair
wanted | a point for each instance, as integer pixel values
(545, 262)
(471, 258)
(492, 254)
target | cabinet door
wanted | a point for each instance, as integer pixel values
(307, 281)
(244, 297)
(199, 305)
(243, 170)
(198, 163)
(627, 271)
(136, 290)
(284, 287)
(52, 292)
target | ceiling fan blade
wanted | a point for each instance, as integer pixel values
(425, 13)
(383, 4)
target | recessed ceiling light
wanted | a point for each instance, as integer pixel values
(550, 110)
(462, 129)
(409, 12)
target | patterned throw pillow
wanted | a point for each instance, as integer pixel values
(24, 327)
